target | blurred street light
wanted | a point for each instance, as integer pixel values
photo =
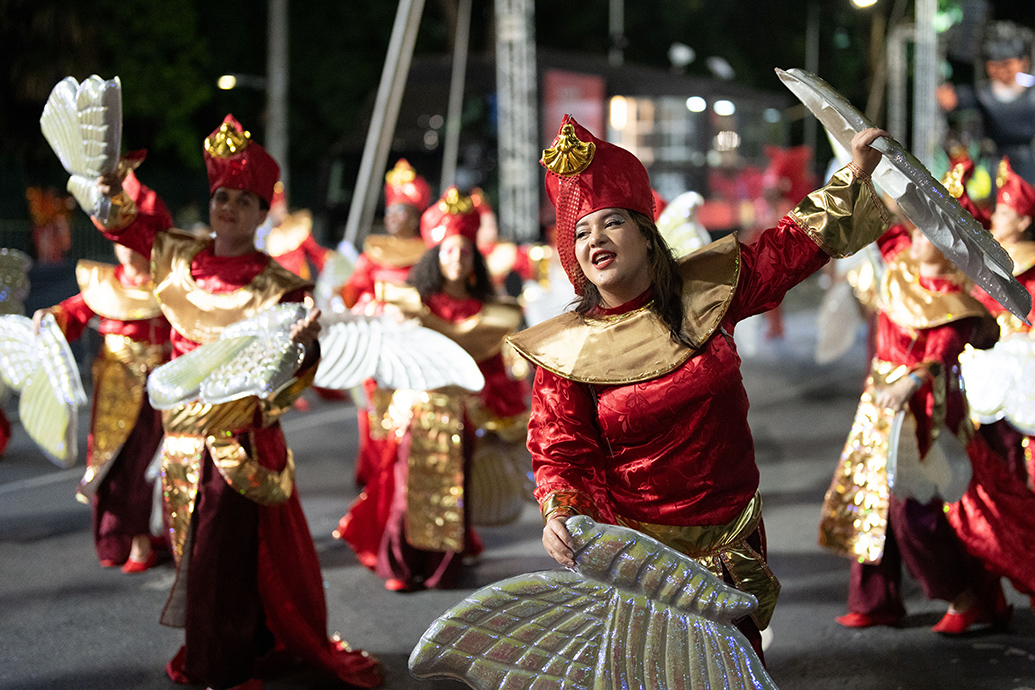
(864, 3)
(244, 81)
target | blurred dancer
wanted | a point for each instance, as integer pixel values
(248, 582)
(926, 317)
(412, 524)
(385, 260)
(125, 432)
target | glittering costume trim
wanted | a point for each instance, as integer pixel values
(844, 216)
(120, 372)
(724, 548)
(107, 297)
(434, 423)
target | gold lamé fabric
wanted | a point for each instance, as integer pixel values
(196, 428)
(435, 487)
(906, 302)
(499, 479)
(394, 252)
(290, 234)
(123, 212)
(844, 216)
(855, 509)
(200, 315)
(724, 547)
(120, 372)
(637, 345)
(379, 422)
(107, 297)
(481, 335)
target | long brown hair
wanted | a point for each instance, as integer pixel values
(664, 278)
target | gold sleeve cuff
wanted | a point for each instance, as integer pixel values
(566, 504)
(844, 216)
(123, 212)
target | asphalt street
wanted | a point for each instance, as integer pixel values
(66, 623)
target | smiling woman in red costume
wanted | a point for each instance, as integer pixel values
(639, 413)
(248, 580)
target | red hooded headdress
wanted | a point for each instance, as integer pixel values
(404, 186)
(234, 161)
(1013, 190)
(453, 214)
(586, 174)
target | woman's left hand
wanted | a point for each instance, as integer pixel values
(864, 156)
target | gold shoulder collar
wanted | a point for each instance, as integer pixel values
(909, 304)
(1023, 255)
(637, 346)
(199, 315)
(394, 252)
(107, 297)
(481, 335)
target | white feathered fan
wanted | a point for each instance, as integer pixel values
(40, 367)
(83, 124)
(636, 614)
(256, 357)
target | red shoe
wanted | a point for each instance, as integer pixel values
(867, 620)
(174, 669)
(356, 667)
(953, 623)
(394, 584)
(109, 563)
(132, 566)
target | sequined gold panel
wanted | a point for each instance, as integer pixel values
(181, 474)
(246, 476)
(855, 510)
(379, 422)
(435, 490)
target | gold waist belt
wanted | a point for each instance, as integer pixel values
(124, 349)
(724, 547)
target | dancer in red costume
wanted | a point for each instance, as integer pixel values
(386, 260)
(1010, 224)
(289, 238)
(926, 318)
(639, 414)
(248, 580)
(125, 432)
(411, 525)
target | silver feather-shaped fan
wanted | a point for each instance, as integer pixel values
(254, 356)
(920, 197)
(635, 614)
(41, 368)
(398, 355)
(83, 124)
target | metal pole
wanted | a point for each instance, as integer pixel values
(927, 129)
(277, 86)
(516, 87)
(900, 36)
(812, 65)
(616, 27)
(451, 147)
(383, 120)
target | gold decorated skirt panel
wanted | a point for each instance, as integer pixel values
(434, 422)
(724, 548)
(380, 423)
(144, 355)
(182, 458)
(854, 520)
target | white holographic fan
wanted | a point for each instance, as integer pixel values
(920, 197)
(636, 614)
(83, 124)
(254, 356)
(397, 355)
(41, 368)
